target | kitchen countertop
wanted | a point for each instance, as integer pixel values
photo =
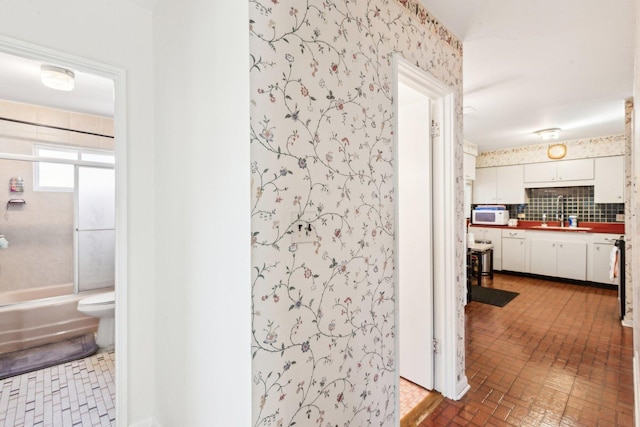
(583, 227)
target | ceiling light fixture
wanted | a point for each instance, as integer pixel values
(57, 77)
(546, 134)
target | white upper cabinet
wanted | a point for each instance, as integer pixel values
(510, 185)
(559, 173)
(540, 172)
(469, 166)
(484, 186)
(609, 176)
(575, 170)
(501, 185)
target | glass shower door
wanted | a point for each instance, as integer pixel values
(95, 228)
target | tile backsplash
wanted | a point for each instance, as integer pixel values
(577, 201)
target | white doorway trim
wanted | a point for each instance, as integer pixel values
(445, 298)
(118, 75)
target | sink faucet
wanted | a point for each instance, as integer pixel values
(560, 213)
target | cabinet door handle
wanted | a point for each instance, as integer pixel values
(521, 243)
(597, 248)
(553, 245)
(560, 244)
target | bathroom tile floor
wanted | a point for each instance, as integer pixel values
(411, 395)
(556, 355)
(75, 394)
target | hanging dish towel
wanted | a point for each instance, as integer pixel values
(613, 263)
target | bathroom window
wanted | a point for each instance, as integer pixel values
(54, 176)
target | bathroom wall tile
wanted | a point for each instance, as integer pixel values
(11, 129)
(107, 127)
(12, 276)
(86, 122)
(18, 111)
(15, 146)
(51, 117)
(91, 141)
(577, 201)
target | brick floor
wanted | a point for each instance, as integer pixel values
(556, 355)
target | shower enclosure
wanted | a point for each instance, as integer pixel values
(61, 243)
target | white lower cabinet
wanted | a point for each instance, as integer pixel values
(599, 256)
(514, 251)
(566, 258)
(544, 257)
(494, 234)
(572, 260)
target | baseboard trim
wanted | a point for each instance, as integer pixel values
(147, 422)
(462, 388)
(636, 387)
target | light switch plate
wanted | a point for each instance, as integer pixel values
(302, 231)
(620, 217)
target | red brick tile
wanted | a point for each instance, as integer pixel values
(556, 355)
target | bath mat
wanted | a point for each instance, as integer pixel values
(31, 359)
(492, 296)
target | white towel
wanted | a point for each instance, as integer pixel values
(613, 263)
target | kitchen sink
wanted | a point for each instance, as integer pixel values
(557, 227)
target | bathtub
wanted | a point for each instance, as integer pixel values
(42, 321)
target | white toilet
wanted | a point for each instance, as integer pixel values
(103, 307)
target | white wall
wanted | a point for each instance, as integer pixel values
(202, 278)
(115, 33)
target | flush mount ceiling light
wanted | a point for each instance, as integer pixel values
(57, 77)
(556, 151)
(546, 134)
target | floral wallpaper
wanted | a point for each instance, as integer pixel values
(628, 191)
(323, 203)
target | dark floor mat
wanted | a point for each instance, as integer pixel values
(492, 296)
(31, 359)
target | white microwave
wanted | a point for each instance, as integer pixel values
(490, 217)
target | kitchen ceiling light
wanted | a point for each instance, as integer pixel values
(57, 77)
(557, 151)
(546, 134)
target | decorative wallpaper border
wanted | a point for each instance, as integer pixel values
(416, 9)
(613, 145)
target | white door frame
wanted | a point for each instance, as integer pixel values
(445, 298)
(118, 75)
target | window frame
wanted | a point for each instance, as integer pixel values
(78, 151)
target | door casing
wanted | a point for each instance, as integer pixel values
(446, 297)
